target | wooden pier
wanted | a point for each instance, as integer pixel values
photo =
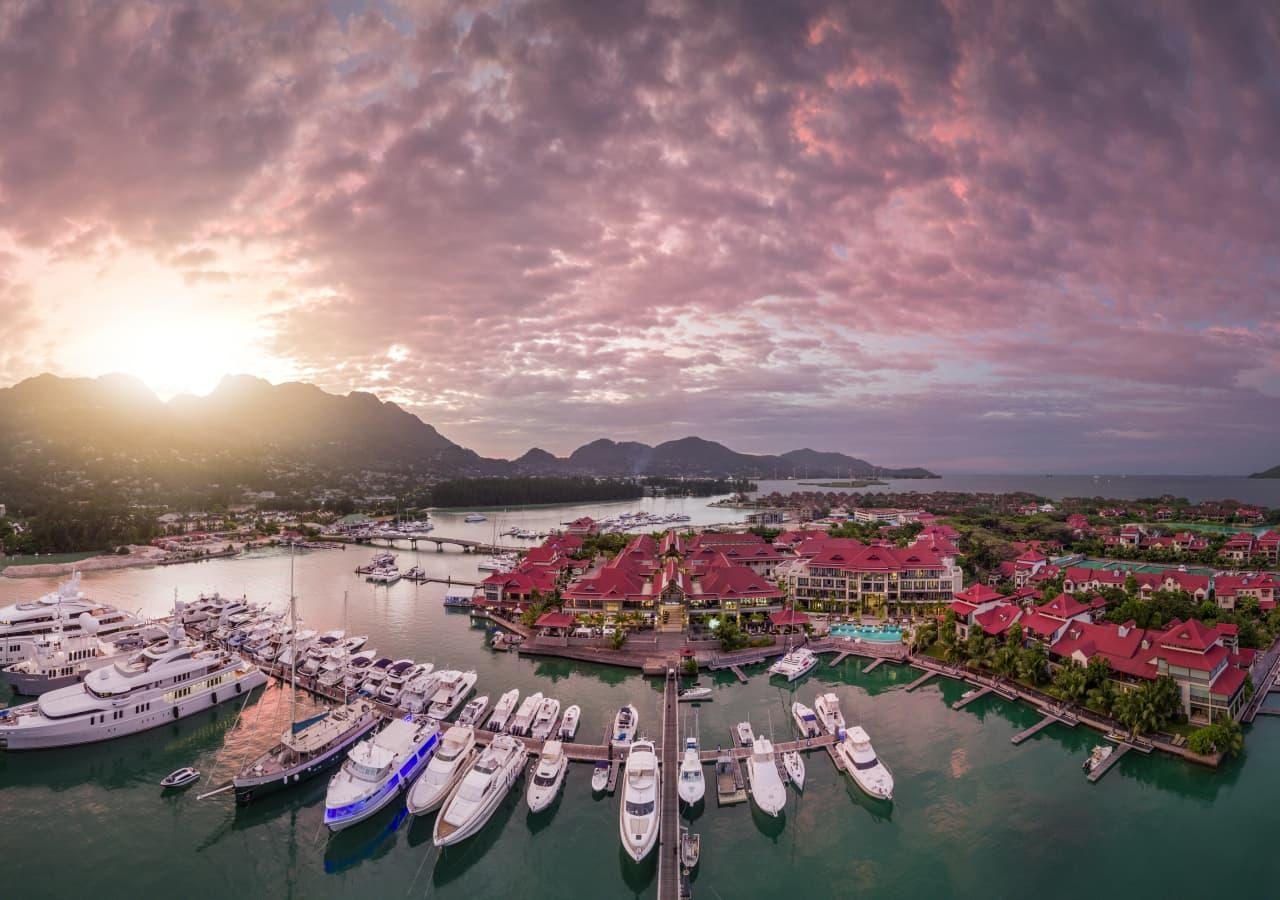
(742, 676)
(1039, 727)
(1121, 750)
(669, 867)
(870, 666)
(731, 786)
(841, 656)
(975, 695)
(921, 680)
(1267, 711)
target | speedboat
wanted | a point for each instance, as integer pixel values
(794, 764)
(474, 711)
(746, 737)
(624, 726)
(767, 790)
(452, 758)
(473, 517)
(796, 664)
(548, 776)
(827, 706)
(450, 693)
(377, 674)
(474, 798)
(522, 721)
(806, 720)
(600, 776)
(180, 778)
(690, 848)
(503, 710)
(1097, 757)
(638, 821)
(418, 690)
(358, 669)
(378, 769)
(306, 749)
(569, 724)
(692, 786)
(393, 684)
(544, 720)
(697, 692)
(858, 758)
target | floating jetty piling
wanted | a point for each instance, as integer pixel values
(731, 787)
(976, 695)
(1110, 761)
(741, 675)
(921, 680)
(1039, 727)
(869, 668)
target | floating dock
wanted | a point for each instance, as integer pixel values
(1096, 774)
(669, 867)
(921, 680)
(977, 694)
(870, 667)
(739, 673)
(731, 787)
(1037, 728)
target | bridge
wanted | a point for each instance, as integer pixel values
(465, 544)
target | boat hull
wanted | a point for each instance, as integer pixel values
(253, 788)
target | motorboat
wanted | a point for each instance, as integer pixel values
(418, 690)
(293, 651)
(522, 721)
(793, 762)
(503, 710)
(387, 575)
(743, 732)
(859, 759)
(767, 790)
(624, 726)
(796, 664)
(692, 786)
(474, 798)
(378, 769)
(458, 596)
(451, 691)
(827, 706)
(569, 724)
(180, 778)
(452, 758)
(397, 675)
(544, 720)
(306, 749)
(376, 675)
(548, 776)
(690, 849)
(600, 776)
(638, 821)
(157, 686)
(473, 713)
(1097, 757)
(474, 517)
(696, 693)
(806, 720)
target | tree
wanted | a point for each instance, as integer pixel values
(1032, 663)
(1221, 737)
(1070, 683)
(1098, 671)
(731, 636)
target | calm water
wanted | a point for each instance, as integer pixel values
(1196, 488)
(974, 816)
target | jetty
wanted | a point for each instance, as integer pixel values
(870, 667)
(973, 695)
(742, 676)
(669, 866)
(1096, 775)
(731, 786)
(921, 680)
(1040, 726)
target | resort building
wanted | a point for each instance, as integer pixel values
(842, 574)
(1230, 589)
(886, 516)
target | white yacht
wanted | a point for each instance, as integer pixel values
(376, 674)
(419, 689)
(384, 575)
(153, 687)
(827, 706)
(858, 758)
(638, 813)
(473, 800)
(451, 760)
(796, 664)
(794, 764)
(692, 785)
(806, 720)
(569, 724)
(451, 691)
(56, 661)
(474, 517)
(378, 769)
(67, 609)
(293, 652)
(548, 776)
(473, 713)
(503, 710)
(522, 721)
(624, 726)
(767, 790)
(397, 675)
(306, 749)
(544, 720)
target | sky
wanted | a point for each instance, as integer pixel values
(974, 236)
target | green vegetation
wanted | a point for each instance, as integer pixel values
(699, 487)
(618, 639)
(731, 636)
(525, 491)
(1149, 706)
(1221, 737)
(595, 544)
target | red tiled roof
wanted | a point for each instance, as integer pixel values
(554, 620)
(1190, 635)
(998, 619)
(962, 609)
(1039, 625)
(788, 617)
(1063, 606)
(1226, 684)
(979, 593)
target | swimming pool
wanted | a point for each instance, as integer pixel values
(889, 634)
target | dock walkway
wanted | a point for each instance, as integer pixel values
(669, 823)
(1096, 774)
(739, 673)
(921, 680)
(975, 695)
(1040, 726)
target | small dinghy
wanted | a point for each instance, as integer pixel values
(794, 765)
(694, 694)
(179, 779)
(690, 849)
(600, 777)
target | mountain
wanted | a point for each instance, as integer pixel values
(1273, 472)
(250, 420)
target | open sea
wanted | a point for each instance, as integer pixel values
(973, 816)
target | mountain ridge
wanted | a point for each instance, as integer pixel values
(249, 415)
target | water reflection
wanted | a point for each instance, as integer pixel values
(457, 859)
(364, 841)
(636, 875)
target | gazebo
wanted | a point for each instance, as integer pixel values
(785, 620)
(554, 624)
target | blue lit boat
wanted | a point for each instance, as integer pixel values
(378, 769)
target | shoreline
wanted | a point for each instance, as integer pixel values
(139, 556)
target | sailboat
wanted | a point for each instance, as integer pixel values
(307, 748)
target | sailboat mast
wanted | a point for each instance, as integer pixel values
(346, 651)
(293, 655)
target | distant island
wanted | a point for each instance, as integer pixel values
(1273, 472)
(842, 484)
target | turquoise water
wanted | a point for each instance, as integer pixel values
(973, 816)
(887, 634)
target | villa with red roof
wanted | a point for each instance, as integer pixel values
(1239, 547)
(1048, 622)
(844, 574)
(582, 526)
(1230, 589)
(1268, 547)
